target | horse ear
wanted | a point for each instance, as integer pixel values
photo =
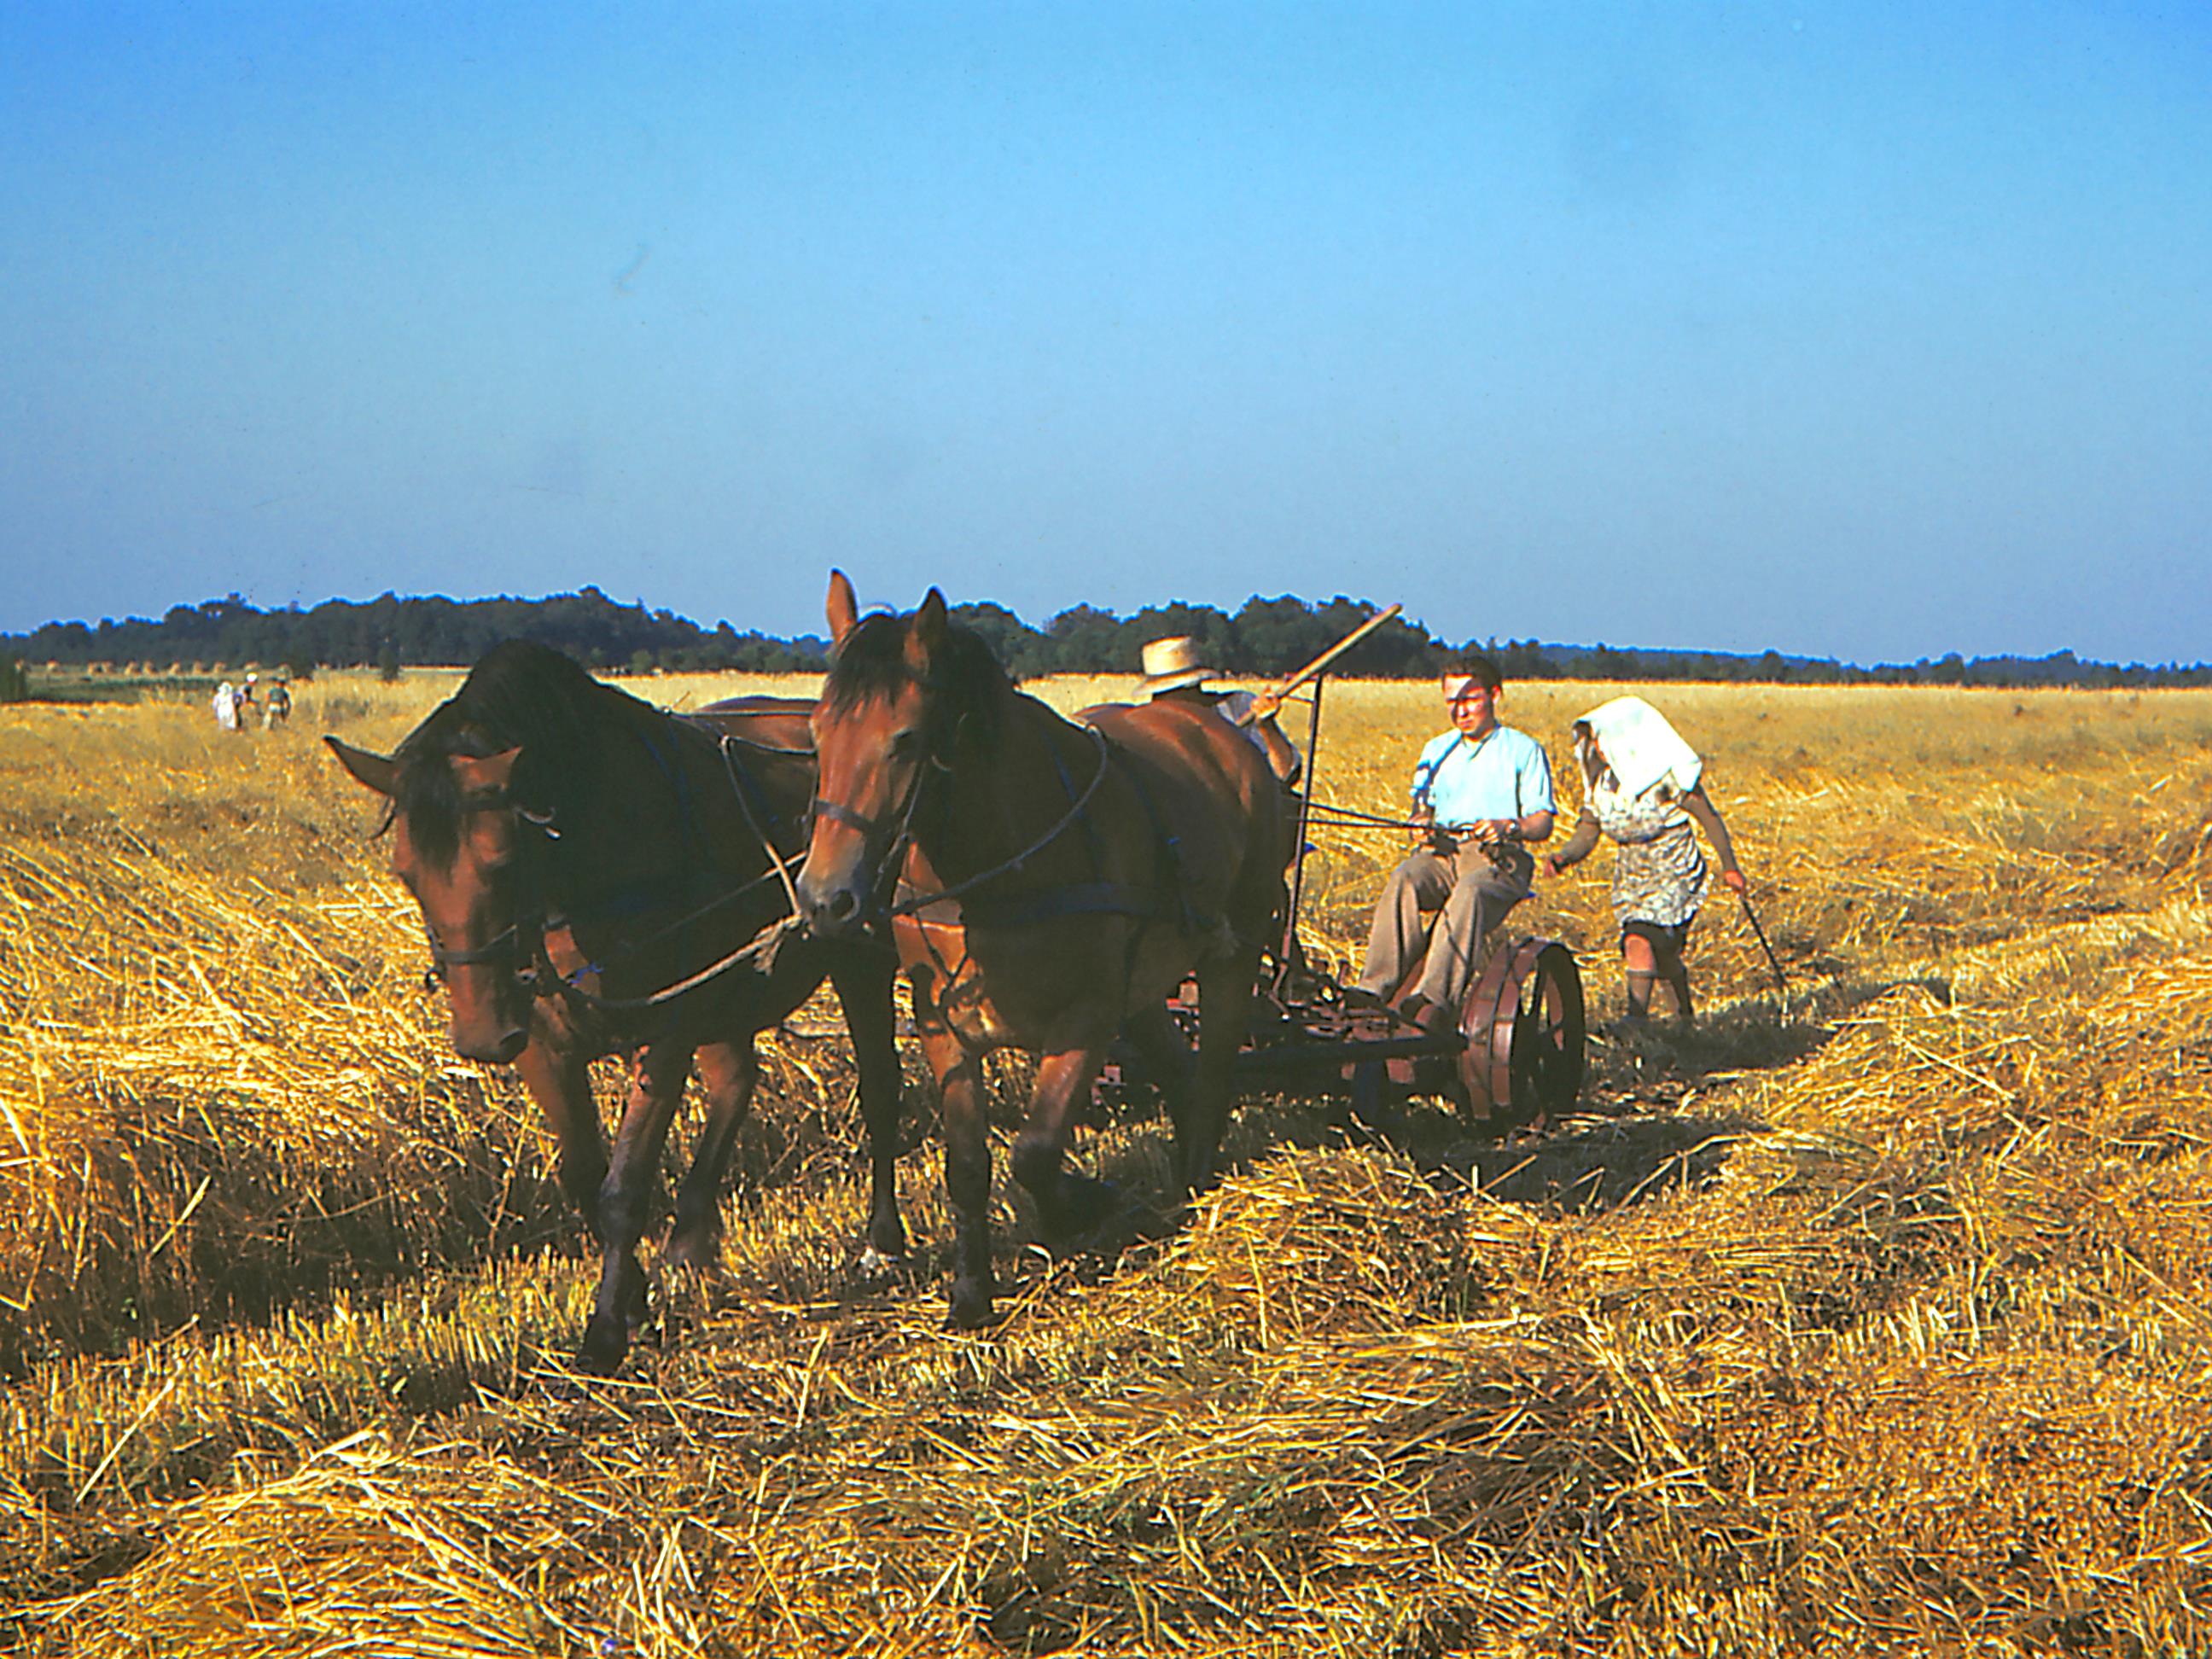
(929, 622)
(489, 775)
(844, 609)
(377, 772)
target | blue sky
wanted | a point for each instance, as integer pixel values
(1871, 330)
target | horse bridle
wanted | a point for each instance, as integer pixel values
(523, 941)
(441, 960)
(532, 962)
(884, 876)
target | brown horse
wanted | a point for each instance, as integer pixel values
(1054, 883)
(595, 876)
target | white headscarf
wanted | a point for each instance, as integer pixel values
(1641, 748)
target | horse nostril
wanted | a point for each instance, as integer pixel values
(832, 912)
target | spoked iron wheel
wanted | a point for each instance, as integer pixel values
(1524, 1028)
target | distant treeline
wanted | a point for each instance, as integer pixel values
(1264, 636)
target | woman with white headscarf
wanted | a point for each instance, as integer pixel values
(1641, 790)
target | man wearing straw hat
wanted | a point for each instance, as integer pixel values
(1481, 792)
(1175, 669)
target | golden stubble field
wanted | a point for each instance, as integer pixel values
(1874, 1322)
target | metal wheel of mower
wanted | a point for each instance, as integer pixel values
(1547, 1055)
(1524, 1026)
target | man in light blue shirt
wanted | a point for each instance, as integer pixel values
(1481, 792)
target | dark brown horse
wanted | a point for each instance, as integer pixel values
(596, 876)
(1049, 884)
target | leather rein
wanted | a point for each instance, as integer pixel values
(1092, 899)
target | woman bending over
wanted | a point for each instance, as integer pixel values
(1641, 790)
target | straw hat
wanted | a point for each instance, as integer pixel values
(1172, 664)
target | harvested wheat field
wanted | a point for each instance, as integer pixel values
(1876, 1319)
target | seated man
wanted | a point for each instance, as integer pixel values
(1481, 791)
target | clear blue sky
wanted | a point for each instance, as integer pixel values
(1868, 329)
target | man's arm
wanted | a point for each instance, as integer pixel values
(1529, 826)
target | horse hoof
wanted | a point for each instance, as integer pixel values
(605, 1343)
(971, 1306)
(697, 1250)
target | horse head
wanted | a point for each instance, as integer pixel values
(460, 845)
(907, 698)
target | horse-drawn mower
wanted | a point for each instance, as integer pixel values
(1510, 1056)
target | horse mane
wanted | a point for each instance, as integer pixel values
(520, 695)
(965, 681)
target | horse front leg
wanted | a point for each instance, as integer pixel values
(556, 1067)
(656, 1083)
(967, 1171)
(864, 989)
(1067, 1204)
(728, 1072)
(1225, 986)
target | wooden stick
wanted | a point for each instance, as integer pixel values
(1751, 915)
(1269, 701)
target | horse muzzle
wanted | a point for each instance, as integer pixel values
(489, 991)
(840, 885)
(501, 1047)
(836, 909)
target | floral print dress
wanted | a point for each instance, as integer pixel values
(1659, 872)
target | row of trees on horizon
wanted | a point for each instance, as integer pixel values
(1263, 636)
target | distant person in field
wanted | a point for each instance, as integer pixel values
(1642, 790)
(277, 707)
(1176, 670)
(226, 707)
(1482, 791)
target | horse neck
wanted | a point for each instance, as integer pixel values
(665, 814)
(999, 804)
